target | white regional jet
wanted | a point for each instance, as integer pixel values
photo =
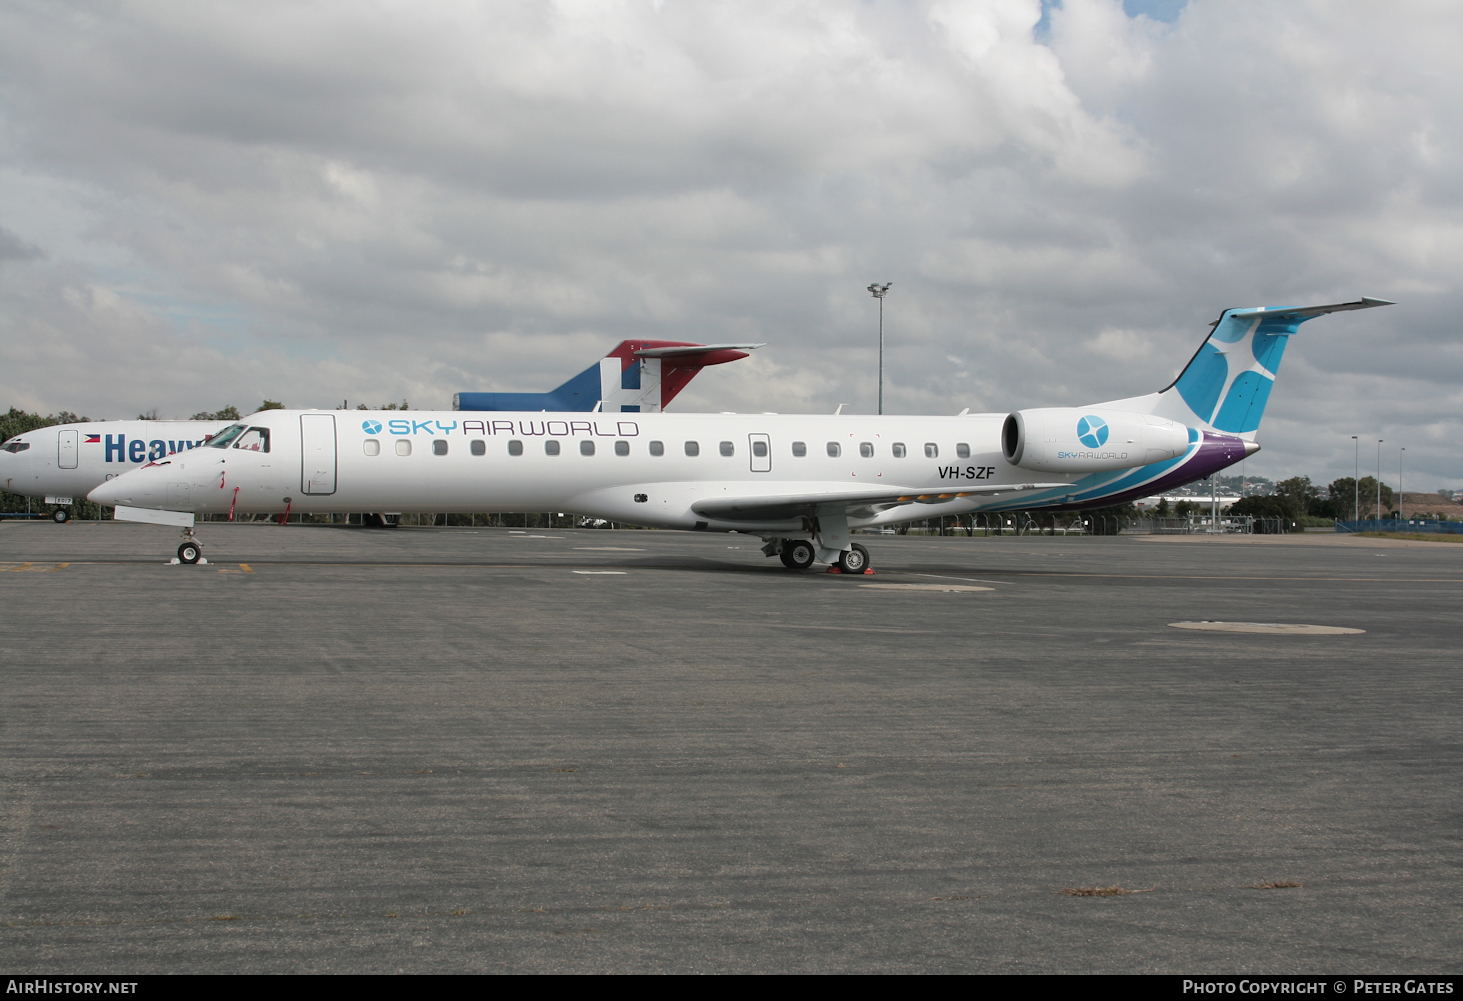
(799, 482)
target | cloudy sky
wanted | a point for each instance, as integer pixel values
(207, 203)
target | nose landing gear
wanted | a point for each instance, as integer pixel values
(61, 515)
(191, 551)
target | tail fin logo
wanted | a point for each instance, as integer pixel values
(1092, 431)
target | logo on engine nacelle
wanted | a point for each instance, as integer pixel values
(1092, 431)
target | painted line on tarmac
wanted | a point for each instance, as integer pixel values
(32, 567)
(978, 580)
(1145, 576)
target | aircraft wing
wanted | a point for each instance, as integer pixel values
(777, 507)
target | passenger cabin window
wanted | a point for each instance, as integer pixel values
(866, 449)
(586, 447)
(799, 449)
(932, 451)
(254, 440)
(439, 447)
(759, 449)
(479, 447)
(551, 447)
(899, 450)
(373, 447)
(657, 448)
(727, 448)
(962, 450)
(403, 446)
(834, 450)
(515, 447)
(693, 448)
(622, 448)
(226, 437)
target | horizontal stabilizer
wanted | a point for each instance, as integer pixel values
(1305, 312)
(697, 349)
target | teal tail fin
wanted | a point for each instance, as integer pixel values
(1227, 383)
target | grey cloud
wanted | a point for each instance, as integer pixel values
(13, 248)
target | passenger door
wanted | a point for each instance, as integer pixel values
(761, 452)
(317, 454)
(66, 450)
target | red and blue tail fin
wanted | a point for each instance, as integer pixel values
(637, 376)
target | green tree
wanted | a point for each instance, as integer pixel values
(1270, 506)
(18, 422)
(1300, 493)
(271, 405)
(1369, 508)
(228, 413)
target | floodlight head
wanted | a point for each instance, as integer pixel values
(879, 291)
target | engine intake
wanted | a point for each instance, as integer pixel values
(1069, 440)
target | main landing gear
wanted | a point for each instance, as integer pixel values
(799, 554)
(854, 560)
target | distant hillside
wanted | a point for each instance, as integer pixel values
(1421, 503)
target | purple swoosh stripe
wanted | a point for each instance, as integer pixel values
(1215, 452)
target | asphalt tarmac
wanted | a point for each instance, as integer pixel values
(450, 750)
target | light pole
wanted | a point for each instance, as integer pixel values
(879, 292)
(1401, 509)
(1356, 479)
(1379, 479)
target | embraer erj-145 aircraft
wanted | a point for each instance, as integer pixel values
(799, 482)
(61, 462)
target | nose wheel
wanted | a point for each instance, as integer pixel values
(191, 551)
(61, 515)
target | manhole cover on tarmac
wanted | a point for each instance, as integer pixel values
(1270, 628)
(927, 587)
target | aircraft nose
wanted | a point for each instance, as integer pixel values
(135, 488)
(108, 494)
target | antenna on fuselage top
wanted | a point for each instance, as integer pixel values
(840, 409)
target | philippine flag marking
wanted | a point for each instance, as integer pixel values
(93, 439)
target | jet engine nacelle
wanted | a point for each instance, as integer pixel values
(1069, 440)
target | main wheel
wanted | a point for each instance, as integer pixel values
(797, 554)
(61, 515)
(855, 560)
(189, 552)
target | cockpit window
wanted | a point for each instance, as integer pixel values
(15, 446)
(254, 440)
(226, 437)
